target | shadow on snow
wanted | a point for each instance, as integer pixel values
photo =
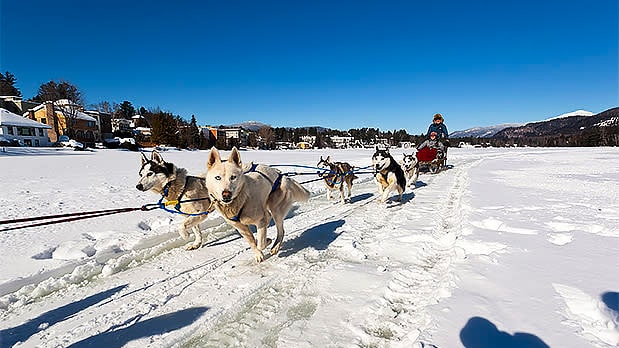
(611, 300)
(21, 333)
(481, 333)
(118, 337)
(318, 237)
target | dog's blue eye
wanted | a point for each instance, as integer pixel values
(218, 177)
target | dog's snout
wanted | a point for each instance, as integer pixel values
(226, 195)
(139, 187)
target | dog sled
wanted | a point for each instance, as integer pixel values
(431, 159)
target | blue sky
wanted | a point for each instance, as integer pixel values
(337, 64)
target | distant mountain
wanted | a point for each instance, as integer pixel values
(491, 131)
(482, 132)
(573, 113)
(563, 125)
(250, 125)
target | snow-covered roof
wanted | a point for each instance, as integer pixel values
(64, 106)
(11, 119)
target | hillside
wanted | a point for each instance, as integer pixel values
(581, 130)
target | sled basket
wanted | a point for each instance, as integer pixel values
(426, 154)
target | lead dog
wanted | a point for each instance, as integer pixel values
(251, 197)
(174, 184)
(410, 166)
(389, 176)
(336, 175)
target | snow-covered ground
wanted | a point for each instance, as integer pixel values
(508, 248)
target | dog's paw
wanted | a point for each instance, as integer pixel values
(192, 246)
(275, 249)
(259, 256)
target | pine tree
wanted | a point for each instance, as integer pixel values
(7, 85)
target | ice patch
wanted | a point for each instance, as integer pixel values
(560, 238)
(596, 321)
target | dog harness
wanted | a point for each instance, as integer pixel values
(177, 202)
(274, 186)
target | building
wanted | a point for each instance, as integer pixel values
(342, 142)
(15, 104)
(122, 127)
(227, 137)
(14, 127)
(104, 123)
(66, 118)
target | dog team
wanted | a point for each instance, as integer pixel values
(252, 194)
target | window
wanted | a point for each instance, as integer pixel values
(10, 130)
(44, 120)
(40, 132)
(25, 131)
(90, 124)
(27, 142)
(37, 143)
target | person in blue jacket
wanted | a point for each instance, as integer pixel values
(439, 127)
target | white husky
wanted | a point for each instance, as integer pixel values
(251, 196)
(174, 184)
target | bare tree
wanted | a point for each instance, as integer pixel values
(267, 135)
(65, 97)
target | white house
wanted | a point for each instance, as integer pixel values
(26, 131)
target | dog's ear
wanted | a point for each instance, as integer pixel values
(156, 157)
(235, 156)
(144, 159)
(213, 158)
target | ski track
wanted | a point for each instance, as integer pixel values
(278, 294)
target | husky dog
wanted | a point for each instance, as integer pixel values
(174, 184)
(389, 176)
(251, 197)
(337, 174)
(410, 165)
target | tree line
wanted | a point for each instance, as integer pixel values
(173, 130)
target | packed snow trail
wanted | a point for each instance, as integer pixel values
(279, 302)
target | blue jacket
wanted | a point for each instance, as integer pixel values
(440, 129)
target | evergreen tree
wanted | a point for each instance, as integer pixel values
(7, 85)
(125, 110)
(195, 138)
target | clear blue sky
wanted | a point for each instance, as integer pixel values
(337, 64)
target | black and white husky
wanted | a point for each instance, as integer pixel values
(389, 175)
(173, 183)
(410, 165)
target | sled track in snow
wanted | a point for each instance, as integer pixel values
(287, 296)
(280, 290)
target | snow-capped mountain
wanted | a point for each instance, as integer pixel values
(482, 132)
(573, 113)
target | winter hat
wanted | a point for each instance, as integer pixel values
(433, 133)
(438, 117)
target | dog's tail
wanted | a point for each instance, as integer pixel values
(296, 190)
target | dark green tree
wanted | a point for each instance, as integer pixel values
(125, 110)
(7, 85)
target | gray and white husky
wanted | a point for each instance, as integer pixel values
(389, 176)
(251, 197)
(336, 175)
(410, 165)
(173, 183)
